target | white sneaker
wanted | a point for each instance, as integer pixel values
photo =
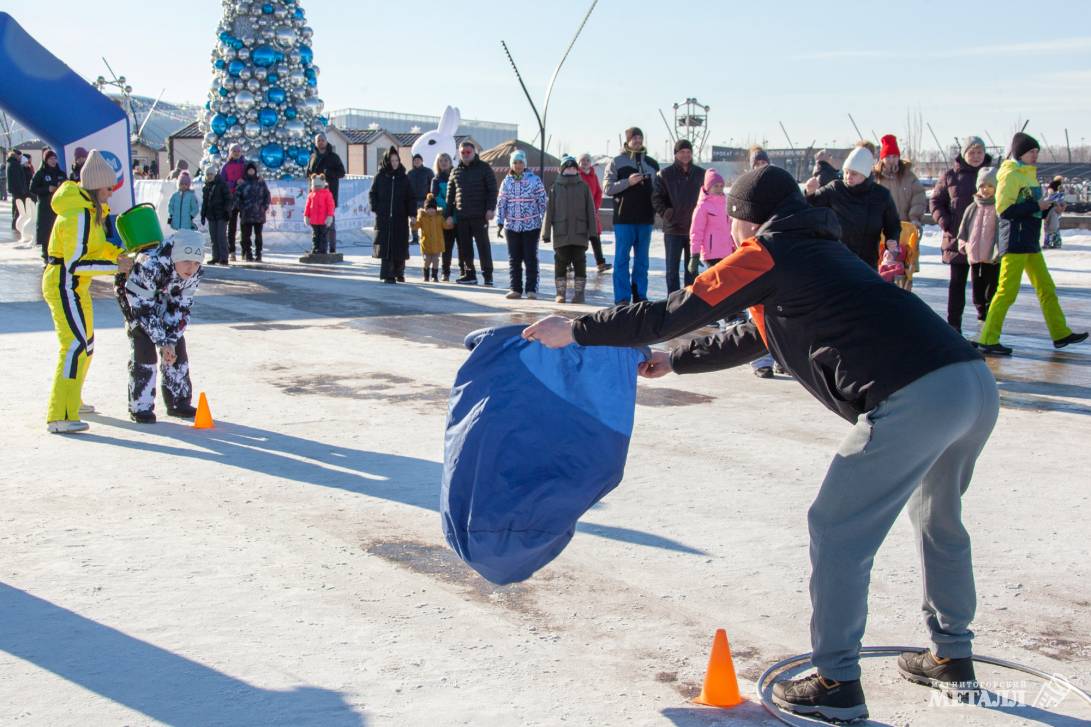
(67, 427)
(532, 295)
(87, 409)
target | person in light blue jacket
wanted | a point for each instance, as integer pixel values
(184, 207)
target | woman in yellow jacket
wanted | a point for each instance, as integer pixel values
(78, 250)
(1019, 205)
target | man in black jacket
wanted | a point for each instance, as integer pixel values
(471, 205)
(324, 160)
(824, 171)
(875, 355)
(420, 181)
(674, 198)
(18, 182)
(630, 180)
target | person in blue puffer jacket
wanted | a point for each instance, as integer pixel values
(520, 207)
(438, 189)
(184, 207)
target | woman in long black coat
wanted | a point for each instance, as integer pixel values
(45, 182)
(393, 204)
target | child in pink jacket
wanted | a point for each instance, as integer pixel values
(710, 229)
(319, 212)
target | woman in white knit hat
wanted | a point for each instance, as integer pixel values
(864, 208)
(78, 250)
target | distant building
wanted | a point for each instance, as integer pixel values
(366, 148)
(487, 134)
(800, 162)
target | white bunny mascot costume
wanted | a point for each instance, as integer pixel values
(440, 141)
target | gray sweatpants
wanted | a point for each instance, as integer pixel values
(918, 447)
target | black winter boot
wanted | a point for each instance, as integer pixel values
(817, 696)
(954, 677)
(142, 417)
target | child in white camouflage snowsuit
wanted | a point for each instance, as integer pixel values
(156, 297)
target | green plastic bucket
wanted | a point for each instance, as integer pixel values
(139, 227)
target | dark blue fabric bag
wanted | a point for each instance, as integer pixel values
(535, 437)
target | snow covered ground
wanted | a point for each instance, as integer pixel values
(287, 568)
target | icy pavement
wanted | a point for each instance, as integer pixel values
(287, 568)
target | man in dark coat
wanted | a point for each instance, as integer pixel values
(324, 160)
(674, 196)
(18, 182)
(46, 181)
(877, 356)
(823, 169)
(420, 181)
(79, 158)
(471, 205)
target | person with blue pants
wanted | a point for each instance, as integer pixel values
(630, 180)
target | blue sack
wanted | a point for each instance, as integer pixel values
(535, 437)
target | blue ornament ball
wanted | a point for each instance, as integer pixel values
(306, 54)
(213, 150)
(267, 8)
(226, 37)
(267, 117)
(310, 73)
(208, 105)
(276, 95)
(223, 91)
(290, 113)
(218, 124)
(299, 14)
(264, 56)
(312, 82)
(324, 120)
(234, 68)
(220, 64)
(272, 155)
(232, 119)
(302, 155)
(272, 78)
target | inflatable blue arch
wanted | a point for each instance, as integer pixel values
(52, 101)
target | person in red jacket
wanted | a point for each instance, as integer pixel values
(319, 212)
(591, 178)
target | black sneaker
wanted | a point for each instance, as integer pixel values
(954, 677)
(993, 349)
(467, 280)
(764, 372)
(446, 277)
(815, 695)
(183, 411)
(1070, 339)
(142, 417)
(605, 267)
(488, 283)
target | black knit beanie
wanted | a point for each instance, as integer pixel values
(633, 131)
(1022, 143)
(754, 196)
(682, 144)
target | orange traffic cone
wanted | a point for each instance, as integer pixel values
(721, 687)
(203, 420)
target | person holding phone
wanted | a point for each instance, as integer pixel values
(630, 180)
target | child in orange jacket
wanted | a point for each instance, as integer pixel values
(319, 212)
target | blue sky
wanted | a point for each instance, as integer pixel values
(967, 67)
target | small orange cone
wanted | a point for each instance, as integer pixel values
(203, 420)
(721, 687)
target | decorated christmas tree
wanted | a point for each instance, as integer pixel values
(264, 92)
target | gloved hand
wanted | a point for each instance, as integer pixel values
(329, 221)
(500, 232)
(694, 267)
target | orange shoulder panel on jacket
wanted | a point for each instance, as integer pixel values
(742, 267)
(757, 314)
